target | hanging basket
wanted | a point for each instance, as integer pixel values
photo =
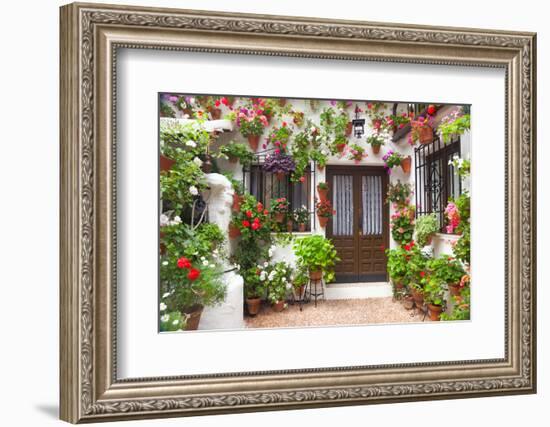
(323, 220)
(425, 135)
(323, 194)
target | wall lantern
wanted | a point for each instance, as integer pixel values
(358, 124)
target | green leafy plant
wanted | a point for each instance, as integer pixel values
(416, 275)
(434, 292)
(454, 125)
(279, 136)
(391, 160)
(426, 226)
(375, 140)
(278, 282)
(253, 286)
(402, 225)
(461, 248)
(237, 150)
(172, 321)
(399, 194)
(397, 264)
(461, 306)
(317, 253)
(446, 269)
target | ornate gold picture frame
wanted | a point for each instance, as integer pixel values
(90, 37)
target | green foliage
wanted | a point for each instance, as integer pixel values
(239, 151)
(446, 269)
(416, 266)
(301, 215)
(166, 110)
(172, 321)
(402, 225)
(426, 225)
(253, 286)
(455, 127)
(193, 243)
(375, 140)
(461, 249)
(319, 157)
(397, 264)
(317, 253)
(461, 307)
(434, 292)
(278, 282)
(300, 277)
(399, 193)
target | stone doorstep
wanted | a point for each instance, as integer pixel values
(359, 290)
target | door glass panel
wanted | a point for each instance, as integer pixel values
(371, 190)
(342, 201)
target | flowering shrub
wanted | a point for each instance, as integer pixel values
(375, 140)
(391, 160)
(454, 124)
(417, 125)
(252, 219)
(301, 215)
(462, 166)
(279, 137)
(453, 217)
(278, 281)
(279, 163)
(356, 153)
(324, 209)
(280, 205)
(239, 151)
(399, 194)
(402, 225)
(251, 121)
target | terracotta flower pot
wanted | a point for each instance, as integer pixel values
(408, 302)
(253, 305)
(340, 147)
(193, 317)
(253, 142)
(280, 176)
(280, 217)
(302, 227)
(323, 194)
(320, 168)
(418, 298)
(237, 200)
(429, 239)
(188, 112)
(376, 149)
(289, 226)
(323, 220)
(435, 312)
(425, 135)
(406, 164)
(166, 163)
(299, 291)
(349, 128)
(316, 274)
(454, 289)
(282, 102)
(278, 306)
(234, 231)
(215, 113)
(233, 159)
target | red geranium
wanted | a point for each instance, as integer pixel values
(248, 214)
(245, 223)
(422, 273)
(193, 274)
(431, 110)
(217, 103)
(225, 101)
(256, 225)
(184, 263)
(259, 207)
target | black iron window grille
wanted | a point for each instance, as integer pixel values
(436, 180)
(265, 186)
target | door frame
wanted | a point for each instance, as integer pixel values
(354, 170)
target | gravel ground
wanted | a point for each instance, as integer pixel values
(335, 312)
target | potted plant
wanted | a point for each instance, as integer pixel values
(254, 290)
(399, 194)
(426, 227)
(236, 151)
(279, 284)
(299, 282)
(279, 137)
(324, 212)
(455, 124)
(279, 208)
(340, 143)
(461, 307)
(322, 189)
(251, 123)
(392, 159)
(318, 255)
(234, 230)
(397, 267)
(449, 271)
(375, 141)
(298, 118)
(422, 130)
(301, 217)
(435, 297)
(252, 219)
(280, 164)
(402, 224)
(416, 275)
(356, 153)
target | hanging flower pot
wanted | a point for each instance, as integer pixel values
(323, 193)
(253, 305)
(454, 289)
(316, 274)
(166, 163)
(349, 128)
(193, 315)
(282, 102)
(215, 113)
(302, 227)
(340, 147)
(425, 135)
(278, 306)
(253, 142)
(237, 200)
(406, 164)
(435, 312)
(323, 220)
(234, 231)
(376, 149)
(188, 112)
(280, 176)
(279, 217)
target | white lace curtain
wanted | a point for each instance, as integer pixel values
(372, 205)
(342, 201)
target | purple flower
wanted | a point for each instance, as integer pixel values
(280, 162)
(173, 98)
(333, 102)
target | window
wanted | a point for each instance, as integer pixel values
(266, 186)
(436, 181)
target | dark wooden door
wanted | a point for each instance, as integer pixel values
(359, 229)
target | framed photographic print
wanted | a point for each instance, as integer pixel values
(268, 212)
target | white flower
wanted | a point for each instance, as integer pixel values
(177, 220)
(190, 143)
(193, 190)
(312, 129)
(288, 286)
(325, 152)
(266, 264)
(215, 251)
(175, 322)
(262, 276)
(191, 100)
(164, 262)
(162, 306)
(164, 220)
(203, 258)
(238, 267)
(164, 318)
(205, 263)
(166, 294)
(197, 161)
(270, 252)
